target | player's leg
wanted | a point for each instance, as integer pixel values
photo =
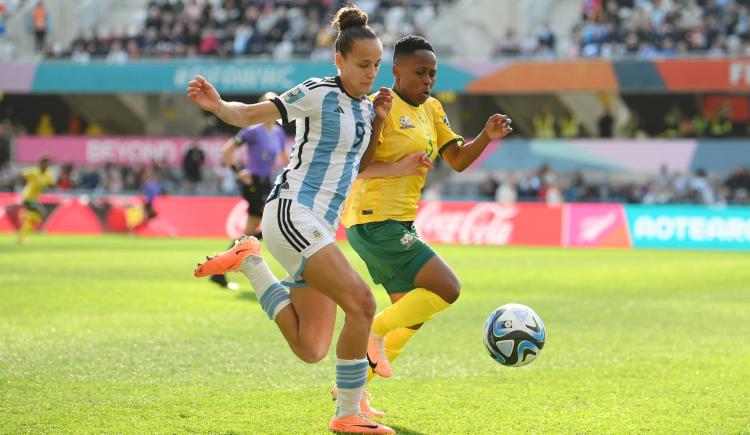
(395, 256)
(307, 323)
(436, 288)
(330, 271)
(306, 249)
(254, 214)
(30, 214)
(251, 227)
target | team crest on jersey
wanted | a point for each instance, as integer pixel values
(408, 240)
(293, 95)
(445, 120)
(405, 122)
(317, 235)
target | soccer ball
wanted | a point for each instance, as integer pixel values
(514, 335)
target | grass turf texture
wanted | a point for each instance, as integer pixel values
(113, 334)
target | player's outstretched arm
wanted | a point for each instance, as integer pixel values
(461, 157)
(416, 163)
(204, 95)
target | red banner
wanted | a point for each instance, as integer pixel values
(490, 223)
(473, 223)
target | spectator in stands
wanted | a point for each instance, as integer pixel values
(40, 24)
(488, 187)
(606, 123)
(570, 126)
(546, 40)
(192, 166)
(672, 122)
(89, 178)
(8, 177)
(544, 124)
(719, 124)
(507, 191)
(633, 127)
(699, 188)
(738, 184)
(66, 178)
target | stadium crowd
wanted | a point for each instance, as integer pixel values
(230, 28)
(546, 185)
(643, 29)
(283, 29)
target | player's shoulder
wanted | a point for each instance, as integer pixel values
(434, 104)
(321, 84)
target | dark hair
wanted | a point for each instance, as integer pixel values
(351, 23)
(409, 44)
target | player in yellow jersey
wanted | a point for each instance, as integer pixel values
(32, 212)
(380, 210)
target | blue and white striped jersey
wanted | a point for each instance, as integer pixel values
(333, 131)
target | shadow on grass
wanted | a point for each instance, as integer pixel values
(247, 296)
(404, 431)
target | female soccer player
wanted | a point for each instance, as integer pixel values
(380, 210)
(32, 211)
(264, 143)
(335, 123)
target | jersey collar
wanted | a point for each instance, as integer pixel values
(341, 86)
(406, 100)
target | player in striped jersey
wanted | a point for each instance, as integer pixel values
(335, 124)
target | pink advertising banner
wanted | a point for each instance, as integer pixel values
(127, 150)
(595, 225)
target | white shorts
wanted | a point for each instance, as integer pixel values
(293, 234)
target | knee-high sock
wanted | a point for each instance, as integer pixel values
(273, 296)
(30, 219)
(394, 345)
(350, 383)
(417, 306)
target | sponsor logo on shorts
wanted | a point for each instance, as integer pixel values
(408, 240)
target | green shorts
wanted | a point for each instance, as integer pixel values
(392, 251)
(36, 206)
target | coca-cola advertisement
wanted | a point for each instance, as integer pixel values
(490, 223)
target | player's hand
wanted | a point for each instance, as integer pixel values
(383, 102)
(414, 164)
(245, 177)
(203, 94)
(498, 126)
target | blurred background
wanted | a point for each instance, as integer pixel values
(612, 101)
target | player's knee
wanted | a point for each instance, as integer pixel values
(362, 304)
(452, 290)
(311, 355)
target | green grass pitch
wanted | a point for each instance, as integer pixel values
(113, 335)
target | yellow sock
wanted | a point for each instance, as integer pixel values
(28, 222)
(394, 344)
(417, 306)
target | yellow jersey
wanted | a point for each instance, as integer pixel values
(36, 181)
(408, 128)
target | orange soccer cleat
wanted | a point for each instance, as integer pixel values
(364, 404)
(357, 423)
(230, 260)
(377, 358)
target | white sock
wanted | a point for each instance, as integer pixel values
(351, 376)
(273, 297)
